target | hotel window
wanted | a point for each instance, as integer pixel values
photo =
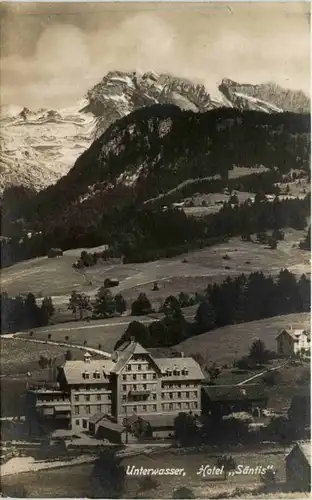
(124, 397)
(154, 396)
(187, 394)
(134, 387)
(154, 407)
(77, 422)
(170, 395)
(139, 367)
(195, 405)
(144, 376)
(170, 406)
(144, 387)
(144, 408)
(179, 406)
(87, 397)
(179, 395)
(87, 409)
(76, 410)
(195, 394)
(162, 396)
(109, 397)
(124, 377)
(154, 375)
(76, 397)
(134, 377)
(187, 406)
(162, 406)
(124, 387)
(129, 368)
(98, 407)
(134, 408)
(98, 397)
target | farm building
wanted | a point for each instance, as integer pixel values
(112, 431)
(292, 342)
(298, 467)
(101, 426)
(226, 399)
(162, 426)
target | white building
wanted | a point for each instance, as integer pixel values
(293, 342)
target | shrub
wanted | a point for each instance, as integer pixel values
(242, 363)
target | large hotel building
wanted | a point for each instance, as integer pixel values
(131, 383)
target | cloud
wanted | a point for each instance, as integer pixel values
(68, 53)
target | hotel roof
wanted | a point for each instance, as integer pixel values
(74, 370)
(168, 365)
(99, 370)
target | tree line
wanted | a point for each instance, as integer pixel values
(236, 300)
(145, 233)
(23, 312)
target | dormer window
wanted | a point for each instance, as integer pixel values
(85, 375)
(96, 374)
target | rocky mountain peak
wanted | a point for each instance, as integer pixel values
(39, 147)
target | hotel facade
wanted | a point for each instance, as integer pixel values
(131, 383)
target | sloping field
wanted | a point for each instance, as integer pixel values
(18, 357)
(223, 345)
(104, 332)
(57, 278)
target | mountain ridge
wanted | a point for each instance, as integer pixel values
(38, 148)
(153, 149)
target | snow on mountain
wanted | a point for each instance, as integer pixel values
(118, 94)
(39, 147)
(266, 97)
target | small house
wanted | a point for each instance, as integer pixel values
(293, 342)
(94, 422)
(298, 467)
(112, 431)
(162, 426)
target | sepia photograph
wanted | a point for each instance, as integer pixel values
(155, 196)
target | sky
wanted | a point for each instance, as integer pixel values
(52, 53)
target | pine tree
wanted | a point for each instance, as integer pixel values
(258, 352)
(141, 306)
(47, 310)
(205, 317)
(120, 302)
(73, 302)
(105, 303)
